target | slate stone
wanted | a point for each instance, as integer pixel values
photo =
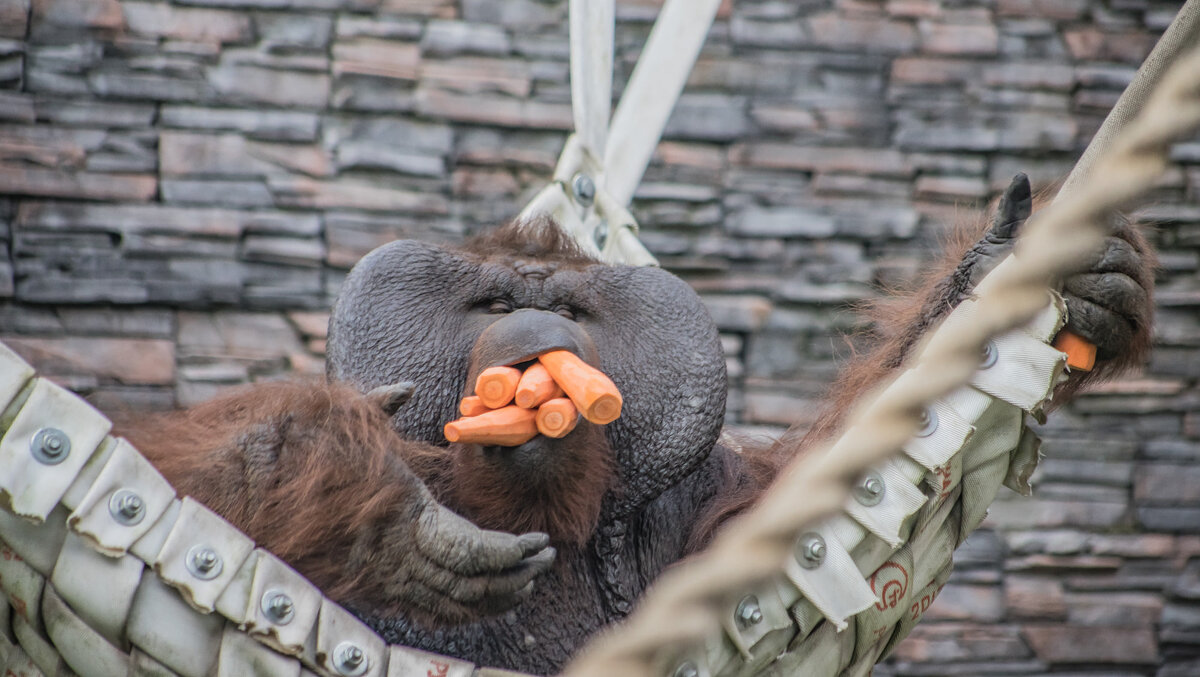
(241, 193)
(269, 125)
(451, 38)
(288, 32)
(781, 222)
(252, 84)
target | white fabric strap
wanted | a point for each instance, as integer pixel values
(653, 88)
(591, 36)
(835, 585)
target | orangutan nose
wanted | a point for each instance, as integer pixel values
(524, 334)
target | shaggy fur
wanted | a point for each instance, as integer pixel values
(562, 499)
(304, 469)
(539, 238)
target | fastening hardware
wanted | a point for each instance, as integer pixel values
(989, 356)
(50, 446)
(748, 612)
(278, 607)
(126, 507)
(204, 562)
(870, 489)
(600, 234)
(349, 659)
(811, 550)
(929, 422)
(686, 669)
(584, 189)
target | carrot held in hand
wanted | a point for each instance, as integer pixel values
(594, 394)
(471, 405)
(557, 417)
(495, 386)
(1081, 355)
(507, 427)
(536, 386)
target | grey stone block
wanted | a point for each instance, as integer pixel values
(240, 83)
(708, 117)
(781, 222)
(450, 38)
(270, 125)
(243, 193)
(286, 32)
(1176, 520)
(373, 94)
(525, 15)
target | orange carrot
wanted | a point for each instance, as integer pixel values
(536, 386)
(507, 427)
(495, 385)
(1081, 354)
(557, 417)
(594, 394)
(471, 405)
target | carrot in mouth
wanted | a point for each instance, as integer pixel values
(496, 386)
(536, 386)
(507, 427)
(594, 394)
(557, 417)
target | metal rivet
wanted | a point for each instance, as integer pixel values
(126, 507)
(204, 562)
(349, 659)
(748, 612)
(870, 489)
(686, 669)
(584, 189)
(811, 550)
(600, 235)
(278, 607)
(50, 446)
(929, 422)
(989, 356)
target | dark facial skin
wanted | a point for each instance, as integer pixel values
(416, 312)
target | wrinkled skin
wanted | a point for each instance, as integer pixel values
(416, 312)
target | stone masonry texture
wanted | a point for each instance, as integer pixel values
(184, 184)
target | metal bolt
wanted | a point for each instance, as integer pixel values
(278, 607)
(50, 446)
(204, 562)
(811, 550)
(687, 669)
(929, 422)
(600, 235)
(748, 612)
(126, 507)
(584, 189)
(989, 356)
(870, 489)
(349, 659)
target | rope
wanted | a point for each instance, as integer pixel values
(682, 609)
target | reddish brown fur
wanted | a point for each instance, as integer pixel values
(562, 500)
(535, 239)
(335, 477)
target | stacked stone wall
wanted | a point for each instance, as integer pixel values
(184, 184)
